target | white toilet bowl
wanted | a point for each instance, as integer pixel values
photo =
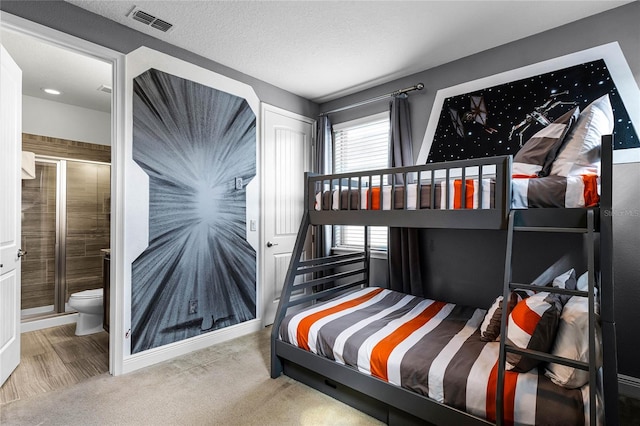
(88, 303)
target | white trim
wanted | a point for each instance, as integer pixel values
(611, 53)
(54, 321)
(182, 347)
(117, 61)
(48, 309)
(629, 386)
(135, 199)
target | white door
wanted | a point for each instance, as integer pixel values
(10, 159)
(287, 155)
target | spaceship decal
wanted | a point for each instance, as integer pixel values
(477, 114)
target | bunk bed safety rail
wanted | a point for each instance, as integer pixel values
(464, 185)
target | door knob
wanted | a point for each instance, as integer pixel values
(270, 244)
(21, 253)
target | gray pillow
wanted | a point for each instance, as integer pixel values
(536, 156)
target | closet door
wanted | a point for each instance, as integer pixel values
(287, 140)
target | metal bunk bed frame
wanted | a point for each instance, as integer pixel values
(393, 404)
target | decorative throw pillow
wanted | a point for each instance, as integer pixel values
(536, 156)
(572, 341)
(533, 324)
(582, 283)
(490, 328)
(580, 153)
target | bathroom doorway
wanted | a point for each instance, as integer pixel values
(54, 119)
(65, 232)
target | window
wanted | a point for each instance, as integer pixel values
(361, 144)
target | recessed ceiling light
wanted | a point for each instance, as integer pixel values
(52, 91)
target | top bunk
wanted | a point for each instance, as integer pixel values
(434, 196)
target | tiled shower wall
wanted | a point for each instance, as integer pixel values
(88, 219)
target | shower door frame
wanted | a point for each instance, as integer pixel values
(60, 247)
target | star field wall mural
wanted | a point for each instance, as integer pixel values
(499, 119)
(198, 147)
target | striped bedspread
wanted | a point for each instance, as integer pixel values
(432, 348)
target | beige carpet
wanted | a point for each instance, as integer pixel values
(228, 384)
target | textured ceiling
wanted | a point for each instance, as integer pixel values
(319, 50)
(322, 50)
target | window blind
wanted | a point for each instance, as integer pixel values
(361, 144)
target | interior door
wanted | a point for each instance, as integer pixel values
(10, 160)
(287, 155)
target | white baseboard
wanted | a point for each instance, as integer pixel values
(53, 321)
(629, 386)
(166, 352)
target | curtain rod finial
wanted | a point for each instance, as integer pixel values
(419, 86)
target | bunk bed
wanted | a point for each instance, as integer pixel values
(392, 380)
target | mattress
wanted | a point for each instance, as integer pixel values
(432, 348)
(477, 195)
(527, 192)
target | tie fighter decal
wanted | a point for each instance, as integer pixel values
(477, 114)
(539, 115)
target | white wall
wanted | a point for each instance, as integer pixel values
(57, 120)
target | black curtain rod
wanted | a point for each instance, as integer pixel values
(418, 86)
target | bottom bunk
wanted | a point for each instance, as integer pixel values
(391, 354)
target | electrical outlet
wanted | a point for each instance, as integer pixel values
(193, 306)
(238, 183)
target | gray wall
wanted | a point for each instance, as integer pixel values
(621, 25)
(86, 25)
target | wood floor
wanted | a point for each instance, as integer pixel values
(55, 358)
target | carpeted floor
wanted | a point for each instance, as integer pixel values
(227, 384)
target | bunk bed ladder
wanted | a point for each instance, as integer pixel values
(331, 275)
(590, 366)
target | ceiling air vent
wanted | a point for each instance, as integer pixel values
(149, 19)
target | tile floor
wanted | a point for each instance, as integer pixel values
(55, 358)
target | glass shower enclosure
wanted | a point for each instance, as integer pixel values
(65, 225)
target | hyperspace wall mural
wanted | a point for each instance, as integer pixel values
(497, 120)
(198, 273)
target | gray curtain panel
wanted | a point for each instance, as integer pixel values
(404, 245)
(323, 165)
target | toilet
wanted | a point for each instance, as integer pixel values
(88, 303)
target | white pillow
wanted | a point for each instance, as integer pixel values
(580, 153)
(572, 341)
(583, 282)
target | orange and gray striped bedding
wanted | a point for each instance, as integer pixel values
(527, 192)
(382, 198)
(432, 348)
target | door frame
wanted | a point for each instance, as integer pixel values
(264, 108)
(117, 61)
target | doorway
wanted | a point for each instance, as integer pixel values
(115, 61)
